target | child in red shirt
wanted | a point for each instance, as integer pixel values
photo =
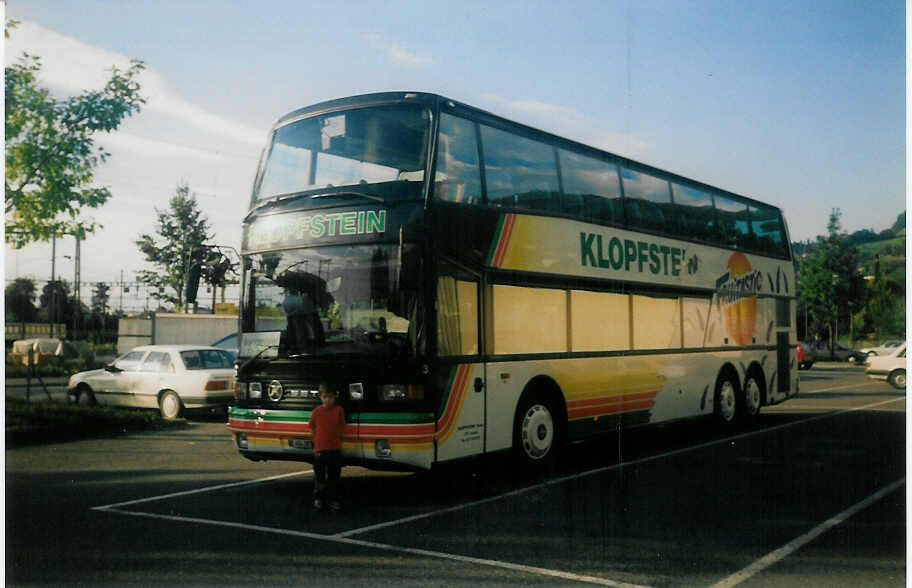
(326, 424)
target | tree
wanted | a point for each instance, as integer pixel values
(216, 270)
(182, 230)
(20, 300)
(100, 297)
(828, 283)
(50, 151)
(55, 301)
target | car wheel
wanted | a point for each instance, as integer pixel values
(170, 405)
(536, 432)
(897, 379)
(726, 398)
(84, 396)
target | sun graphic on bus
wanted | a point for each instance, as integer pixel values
(738, 296)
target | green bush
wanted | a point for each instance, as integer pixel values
(29, 423)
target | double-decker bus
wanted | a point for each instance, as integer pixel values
(469, 285)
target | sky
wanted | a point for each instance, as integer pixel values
(798, 104)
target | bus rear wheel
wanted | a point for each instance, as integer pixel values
(536, 432)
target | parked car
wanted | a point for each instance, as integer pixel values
(841, 353)
(805, 356)
(167, 377)
(885, 349)
(891, 368)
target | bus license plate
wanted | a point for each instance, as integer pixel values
(301, 443)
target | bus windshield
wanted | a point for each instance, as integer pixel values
(334, 300)
(351, 147)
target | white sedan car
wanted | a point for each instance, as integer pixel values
(167, 377)
(891, 368)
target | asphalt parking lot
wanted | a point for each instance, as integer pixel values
(814, 494)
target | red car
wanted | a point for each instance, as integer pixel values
(805, 357)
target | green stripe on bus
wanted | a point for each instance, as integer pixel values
(392, 418)
(496, 240)
(395, 418)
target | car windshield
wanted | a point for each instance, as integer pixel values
(357, 299)
(353, 147)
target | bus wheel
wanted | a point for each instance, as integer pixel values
(727, 403)
(535, 431)
(753, 394)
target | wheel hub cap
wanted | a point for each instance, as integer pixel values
(752, 394)
(537, 431)
(727, 401)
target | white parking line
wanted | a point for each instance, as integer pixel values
(605, 469)
(199, 490)
(799, 542)
(384, 546)
(800, 394)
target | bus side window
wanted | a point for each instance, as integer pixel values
(457, 178)
(733, 222)
(519, 172)
(767, 228)
(647, 202)
(457, 316)
(695, 209)
(592, 189)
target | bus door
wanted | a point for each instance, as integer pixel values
(460, 429)
(783, 350)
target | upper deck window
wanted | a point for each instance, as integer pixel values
(592, 189)
(733, 222)
(457, 178)
(647, 202)
(360, 146)
(519, 172)
(695, 208)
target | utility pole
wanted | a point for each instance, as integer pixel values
(77, 277)
(121, 291)
(52, 306)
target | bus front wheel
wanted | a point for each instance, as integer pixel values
(536, 433)
(726, 398)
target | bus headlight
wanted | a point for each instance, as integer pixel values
(255, 390)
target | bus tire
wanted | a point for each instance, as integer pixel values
(727, 405)
(897, 379)
(753, 395)
(536, 431)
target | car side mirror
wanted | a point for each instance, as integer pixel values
(112, 368)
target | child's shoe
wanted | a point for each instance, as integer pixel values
(318, 504)
(335, 506)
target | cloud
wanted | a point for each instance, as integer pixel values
(531, 106)
(152, 148)
(396, 52)
(624, 144)
(70, 65)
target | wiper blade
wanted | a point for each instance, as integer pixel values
(358, 194)
(254, 358)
